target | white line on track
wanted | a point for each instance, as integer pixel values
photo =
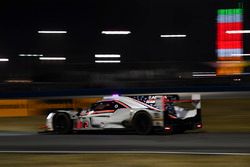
(128, 152)
(17, 133)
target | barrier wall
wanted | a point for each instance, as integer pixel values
(13, 108)
(27, 107)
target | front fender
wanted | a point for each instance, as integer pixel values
(49, 119)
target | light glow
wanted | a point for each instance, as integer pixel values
(199, 126)
(229, 43)
(167, 128)
(52, 58)
(107, 61)
(240, 54)
(237, 79)
(238, 31)
(229, 62)
(116, 32)
(18, 81)
(4, 59)
(174, 36)
(52, 32)
(107, 56)
(30, 55)
(204, 74)
(115, 95)
(230, 11)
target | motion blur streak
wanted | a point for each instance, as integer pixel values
(52, 32)
(240, 54)
(116, 32)
(107, 61)
(4, 59)
(238, 32)
(204, 74)
(107, 56)
(52, 58)
(31, 55)
(172, 36)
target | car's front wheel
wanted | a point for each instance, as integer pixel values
(62, 123)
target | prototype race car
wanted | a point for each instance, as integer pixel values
(119, 112)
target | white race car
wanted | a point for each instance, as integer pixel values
(118, 112)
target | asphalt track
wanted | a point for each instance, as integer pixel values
(200, 143)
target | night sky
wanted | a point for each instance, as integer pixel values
(144, 55)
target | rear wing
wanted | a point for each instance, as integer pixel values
(196, 101)
(161, 102)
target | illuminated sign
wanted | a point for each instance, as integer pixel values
(229, 46)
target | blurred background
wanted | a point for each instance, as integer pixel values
(147, 59)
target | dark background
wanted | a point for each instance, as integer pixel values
(147, 61)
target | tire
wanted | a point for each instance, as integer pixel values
(62, 123)
(142, 123)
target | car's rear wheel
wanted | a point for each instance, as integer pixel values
(62, 123)
(142, 123)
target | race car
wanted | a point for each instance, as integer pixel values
(120, 112)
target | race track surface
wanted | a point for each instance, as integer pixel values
(188, 142)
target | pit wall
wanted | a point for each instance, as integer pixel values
(30, 107)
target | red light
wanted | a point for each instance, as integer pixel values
(229, 44)
(168, 128)
(199, 125)
(223, 27)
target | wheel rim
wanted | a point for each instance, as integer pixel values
(143, 124)
(60, 123)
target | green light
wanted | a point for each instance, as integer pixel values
(230, 11)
